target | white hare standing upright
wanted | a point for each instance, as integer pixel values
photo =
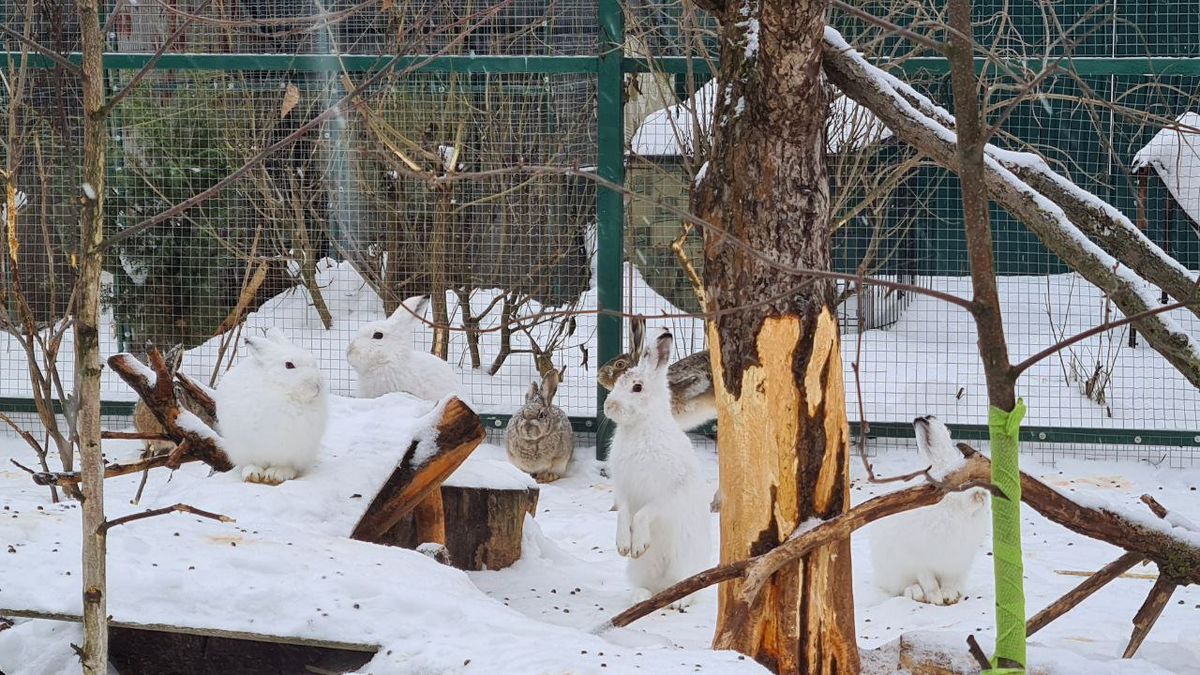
(926, 554)
(662, 500)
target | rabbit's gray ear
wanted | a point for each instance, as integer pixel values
(662, 350)
(637, 338)
(533, 394)
(256, 346)
(550, 385)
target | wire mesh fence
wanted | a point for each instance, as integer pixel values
(426, 184)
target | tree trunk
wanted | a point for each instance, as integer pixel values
(87, 344)
(777, 366)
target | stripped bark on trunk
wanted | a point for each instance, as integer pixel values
(777, 367)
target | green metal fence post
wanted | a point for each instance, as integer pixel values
(610, 211)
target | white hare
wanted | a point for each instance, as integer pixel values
(385, 361)
(662, 500)
(926, 554)
(271, 409)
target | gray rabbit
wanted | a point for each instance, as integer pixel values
(539, 438)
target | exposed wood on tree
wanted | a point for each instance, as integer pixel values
(1081, 592)
(458, 433)
(159, 396)
(918, 124)
(87, 340)
(777, 366)
(485, 525)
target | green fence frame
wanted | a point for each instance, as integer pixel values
(610, 66)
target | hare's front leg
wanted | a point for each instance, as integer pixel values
(640, 535)
(624, 524)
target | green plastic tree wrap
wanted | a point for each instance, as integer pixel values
(1004, 432)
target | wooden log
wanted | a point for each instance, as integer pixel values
(1081, 592)
(429, 519)
(485, 525)
(458, 434)
(159, 396)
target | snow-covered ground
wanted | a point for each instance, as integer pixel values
(925, 363)
(286, 567)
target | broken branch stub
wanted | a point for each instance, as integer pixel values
(159, 396)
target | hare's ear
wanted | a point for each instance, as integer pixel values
(408, 311)
(550, 384)
(277, 336)
(533, 393)
(662, 350)
(637, 338)
(257, 347)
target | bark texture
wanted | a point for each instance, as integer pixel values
(484, 525)
(87, 343)
(776, 367)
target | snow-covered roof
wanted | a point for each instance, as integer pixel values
(665, 132)
(1174, 153)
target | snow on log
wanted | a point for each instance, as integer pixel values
(924, 128)
(425, 465)
(156, 388)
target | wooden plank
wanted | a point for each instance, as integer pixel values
(458, 434)
(190, 630)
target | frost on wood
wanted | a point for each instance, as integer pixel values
(926, 127)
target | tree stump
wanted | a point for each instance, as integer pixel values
(484, 525)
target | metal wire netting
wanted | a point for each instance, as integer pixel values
(898, 217)
(423, 187)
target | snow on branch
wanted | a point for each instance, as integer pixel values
(926, 127)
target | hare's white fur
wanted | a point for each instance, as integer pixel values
(926, 554)
(272, 417)
(662, 500)
(388, 363)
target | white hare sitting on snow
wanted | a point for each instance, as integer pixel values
(385, 361)
(926, 554)
(662, 500)
(271, 409)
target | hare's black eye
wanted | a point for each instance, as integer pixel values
(377, 336)
(621, 364)
(291, 366)
(637, 387)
